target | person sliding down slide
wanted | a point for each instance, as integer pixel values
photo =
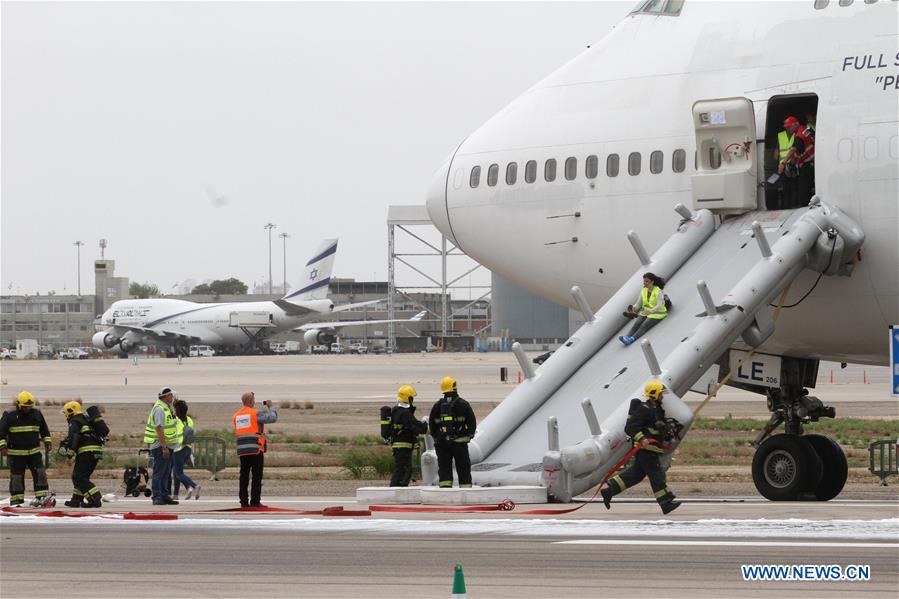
(651, 305)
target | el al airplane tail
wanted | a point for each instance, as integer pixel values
(317, 274)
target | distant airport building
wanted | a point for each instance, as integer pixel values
(54, 321)
(525, 317)
(108, 288)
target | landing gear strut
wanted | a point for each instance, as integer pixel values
(793, 466)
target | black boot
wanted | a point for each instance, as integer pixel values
(75, 501)
(607, 497)
(669, 506)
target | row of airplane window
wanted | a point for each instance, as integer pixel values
(570, 168)
(819, 4)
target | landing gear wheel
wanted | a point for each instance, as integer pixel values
(835, 469)
(784, 466)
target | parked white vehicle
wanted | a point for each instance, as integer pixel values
(336, 348)
(75, 353)
(197, 351)
(358, 348)
(6, 354)
(318, 349)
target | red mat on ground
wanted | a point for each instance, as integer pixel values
(328, 511)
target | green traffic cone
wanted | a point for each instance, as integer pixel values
(458, 583)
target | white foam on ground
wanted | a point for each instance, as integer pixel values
(794, 528)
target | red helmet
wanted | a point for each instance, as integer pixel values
(790, 121)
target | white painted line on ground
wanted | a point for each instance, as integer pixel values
(721, 543)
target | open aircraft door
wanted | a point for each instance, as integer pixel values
(725, 181)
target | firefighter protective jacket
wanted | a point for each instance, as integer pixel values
(405, 427)
(452, 419)
(642, 422)
(22, 433)
(81, 437)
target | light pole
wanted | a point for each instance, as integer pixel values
(284, 237)
(78, 245)
(270, 226)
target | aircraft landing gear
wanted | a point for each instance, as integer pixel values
(793, 466)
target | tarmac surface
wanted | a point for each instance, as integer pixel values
(630, 550)
(359, 378)
(695, 552)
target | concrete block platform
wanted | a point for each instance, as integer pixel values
(519, 494)
(455, 496)
(389, 495)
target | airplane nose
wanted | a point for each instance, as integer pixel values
(436, 200)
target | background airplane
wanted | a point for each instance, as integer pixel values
(242, 325)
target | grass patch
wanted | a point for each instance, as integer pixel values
(361, 440)
(224, 433)
(313, 449)
(368, 462)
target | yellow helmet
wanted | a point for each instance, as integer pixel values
(405, 394)
(654, 390)
(71, 409)
(25, 399)
(448, 384)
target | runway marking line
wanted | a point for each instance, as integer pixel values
(723, 543)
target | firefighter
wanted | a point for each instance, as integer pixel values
(84, 445)
(646, 426)
(405, 430)
(21, 433)
(452, 424)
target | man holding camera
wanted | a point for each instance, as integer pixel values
(249, 428)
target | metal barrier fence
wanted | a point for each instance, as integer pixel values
(4, 460)
(210, 453)
(883, 459)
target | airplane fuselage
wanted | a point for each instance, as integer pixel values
(630, 97)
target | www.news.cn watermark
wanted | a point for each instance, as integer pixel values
(806, 572)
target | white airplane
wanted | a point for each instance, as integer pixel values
(180, 323)
(546, 192)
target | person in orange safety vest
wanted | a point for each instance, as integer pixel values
(249, 428)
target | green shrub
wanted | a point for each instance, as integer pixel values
(313, 449)
(368, 462)
(360, 440)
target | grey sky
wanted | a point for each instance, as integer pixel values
(116, 116)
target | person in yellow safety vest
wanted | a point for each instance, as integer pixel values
(649, 310)
(161, 434)
(249, 429)
(405, 430)
(22, 431)
(85, 446)
(185, 431)
(645, 421)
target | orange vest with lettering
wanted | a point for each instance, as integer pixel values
(249, 432)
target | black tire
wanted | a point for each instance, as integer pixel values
(835, 468)
(784, 467)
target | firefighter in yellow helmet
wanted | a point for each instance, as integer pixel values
(22, 432)
(82, 444)
(405, 429)
(452, 424)
(645, 425)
